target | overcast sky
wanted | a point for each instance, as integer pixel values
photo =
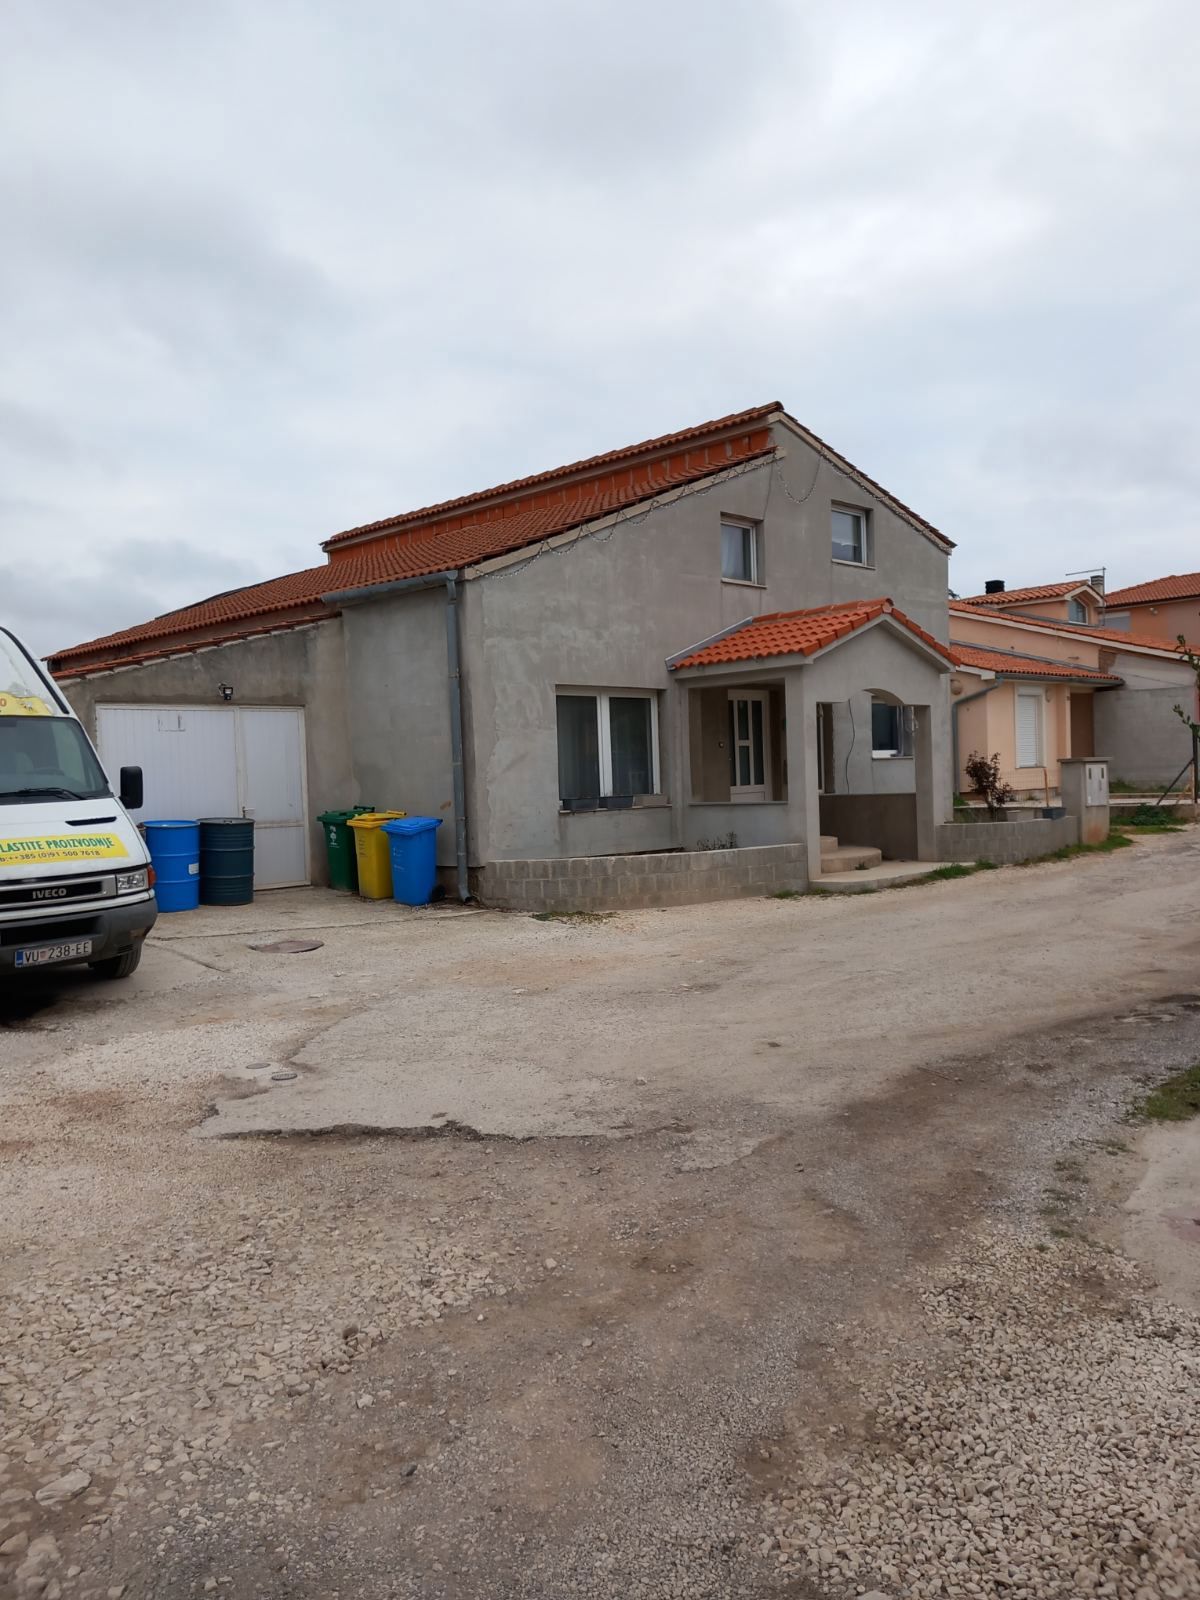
(272, 268)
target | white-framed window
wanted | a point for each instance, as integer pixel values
(891, 730)
(741, 551)
(1076, 611)
(851, 536)
(607, 745)
(749, 743)
(1029, 727)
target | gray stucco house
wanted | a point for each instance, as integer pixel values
(729, 636)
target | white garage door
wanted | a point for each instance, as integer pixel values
(219, 761)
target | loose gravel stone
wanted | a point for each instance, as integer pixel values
(135, 1371)
(1057, 1455)
(64, 1488)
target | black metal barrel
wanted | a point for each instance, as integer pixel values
(226, 861)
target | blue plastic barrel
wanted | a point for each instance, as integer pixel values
(413, 845)
(175, 851)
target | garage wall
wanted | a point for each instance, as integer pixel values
(397, 684)
(301, 667)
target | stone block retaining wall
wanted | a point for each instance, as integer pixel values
(1004, 842)
(616, 883)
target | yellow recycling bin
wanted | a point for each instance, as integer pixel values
(373, 853)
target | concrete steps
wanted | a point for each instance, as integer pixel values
(837, 857)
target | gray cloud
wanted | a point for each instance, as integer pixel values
(273, 270)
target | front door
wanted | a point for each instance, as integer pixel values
(1083, 730)
(748, 735)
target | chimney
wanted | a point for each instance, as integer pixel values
(1097, 582)
(994, 586)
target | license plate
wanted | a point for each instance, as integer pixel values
(41, 955)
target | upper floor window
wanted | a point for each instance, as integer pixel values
(851, 536)
(1076, 611)
(741, 551)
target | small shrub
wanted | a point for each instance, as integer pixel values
(726, 841)
(984, 773)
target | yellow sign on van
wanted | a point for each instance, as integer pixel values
(78, 847)
(23, 705)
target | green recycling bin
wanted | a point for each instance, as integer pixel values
(339, 847)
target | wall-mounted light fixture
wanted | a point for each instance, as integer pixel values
(225, 690)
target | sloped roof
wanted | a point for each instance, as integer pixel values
(468, 538)
(494, 523)
(175, 647)
(706, 438)
(798, 633)
(1037, 591)
(1079, 630)
(1017, 666)
(411, 552)
(1179, 586)
(589, 465)
(275, 596)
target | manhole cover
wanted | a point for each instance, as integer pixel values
(258, 1066)
(283, 1077)
(289, 947)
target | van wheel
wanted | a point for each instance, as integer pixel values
(118, 966)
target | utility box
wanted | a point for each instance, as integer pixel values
(1084, 784)
(1095, 783)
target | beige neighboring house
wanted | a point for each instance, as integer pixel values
(1039, 678)
(1167, 607)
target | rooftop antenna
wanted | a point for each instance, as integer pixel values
(1096, 576)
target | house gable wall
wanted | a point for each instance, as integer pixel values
(1163, 619)
(606, 612)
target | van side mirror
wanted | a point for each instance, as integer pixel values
(132, 792)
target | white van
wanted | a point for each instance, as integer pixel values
(76, 884)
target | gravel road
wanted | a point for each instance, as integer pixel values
(817, 1279)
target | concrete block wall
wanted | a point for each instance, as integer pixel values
(1005, 842)
(624, 883)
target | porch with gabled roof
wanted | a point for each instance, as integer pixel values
(761, 745)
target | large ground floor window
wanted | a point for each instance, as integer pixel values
(607, 745)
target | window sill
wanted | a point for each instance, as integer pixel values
(861, 566)
(732, 802)
(641, 802)
(744, 583)
(889, 755)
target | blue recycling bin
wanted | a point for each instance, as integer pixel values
(412, 842)
(174, 848)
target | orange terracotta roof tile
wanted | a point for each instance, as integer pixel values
(1037, 591)
(470, 538)
(1013, 665)
(798, 633)
(411, 553)
(1072, 629)
(473, 529)
(1179, 586)
(590, 464)
(85, 669)
(275, 596)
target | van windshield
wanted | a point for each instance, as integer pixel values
(47, 757)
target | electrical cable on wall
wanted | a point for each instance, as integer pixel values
(850, 751)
